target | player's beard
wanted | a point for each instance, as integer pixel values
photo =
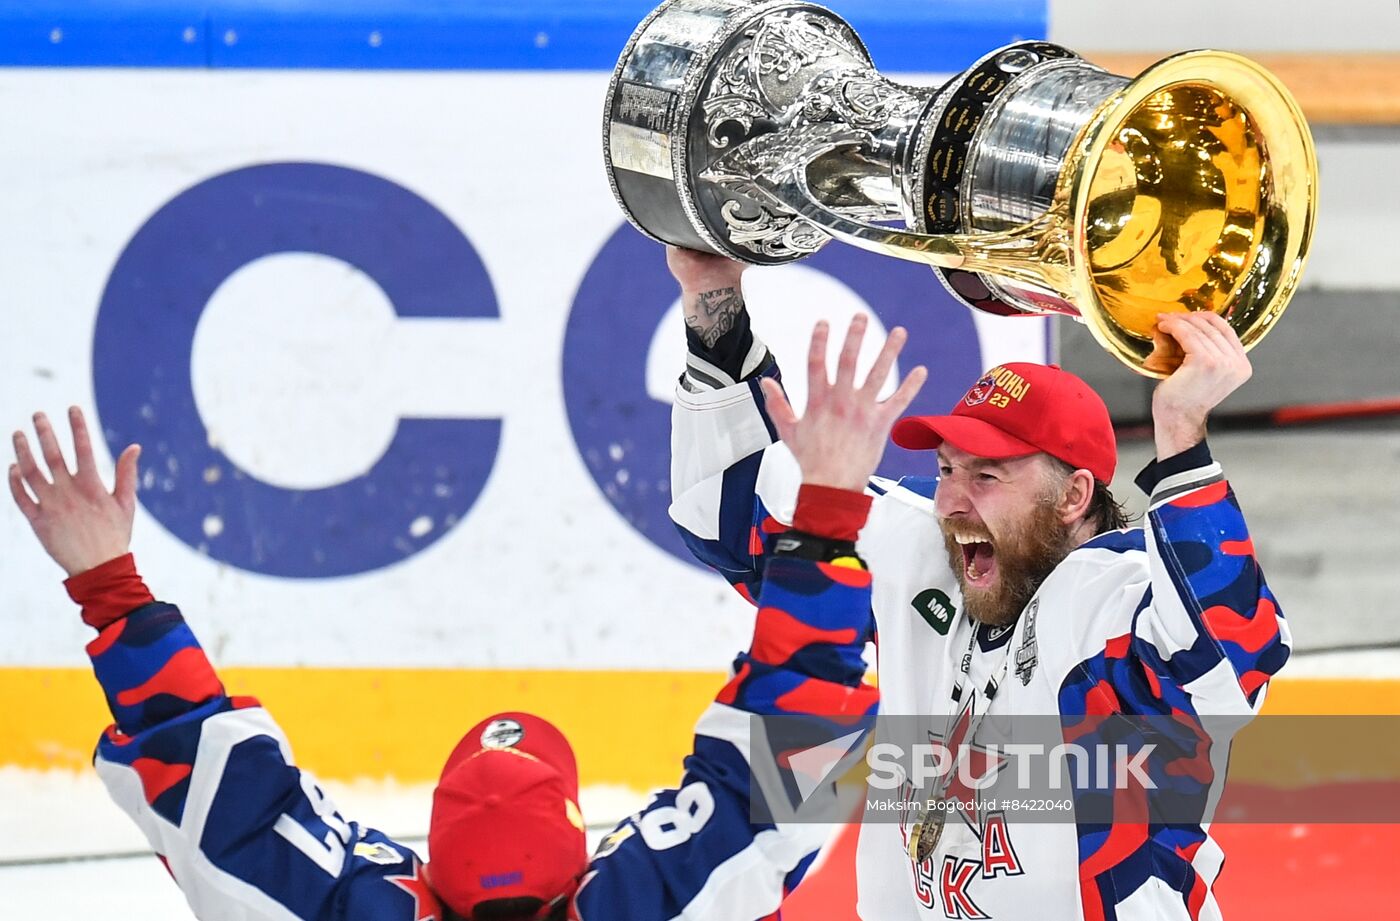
(1024, 558)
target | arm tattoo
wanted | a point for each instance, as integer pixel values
(713, 314)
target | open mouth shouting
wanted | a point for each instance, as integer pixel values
(979, 560)
(999, 575)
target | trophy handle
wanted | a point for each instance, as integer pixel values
(773, 169)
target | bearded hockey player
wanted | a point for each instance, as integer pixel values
(210, 778)
(1007, 585)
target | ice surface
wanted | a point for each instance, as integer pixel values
(52, 822)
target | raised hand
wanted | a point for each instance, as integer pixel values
(840, 439)
(712, 296)
(1213, 367)
(77, 520)
(695, 270)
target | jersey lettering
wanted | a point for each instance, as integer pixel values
(998, 856)
(667, 826)
(923, 882)
(957, 903)
(328, 852)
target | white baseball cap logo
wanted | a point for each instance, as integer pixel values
(502, 734)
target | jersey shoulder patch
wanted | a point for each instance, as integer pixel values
(379, 853)
(380, 891)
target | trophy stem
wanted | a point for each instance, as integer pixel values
(772, 169)
(1036, 253)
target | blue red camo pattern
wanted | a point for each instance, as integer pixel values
(805, 662)
(812, 625)
(1209, 555)
(156, 677)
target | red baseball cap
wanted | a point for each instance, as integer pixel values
(505, 822)
(1021, 408)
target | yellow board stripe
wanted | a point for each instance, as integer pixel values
(1333, 697)
(630, 728)
(627, 727)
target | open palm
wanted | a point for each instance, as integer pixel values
(842, 434)
(77, 520)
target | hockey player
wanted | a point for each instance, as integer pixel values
(1008, 585)
(210, 778)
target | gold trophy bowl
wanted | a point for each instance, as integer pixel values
(1195, 188)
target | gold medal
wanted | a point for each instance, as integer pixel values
(923, 837)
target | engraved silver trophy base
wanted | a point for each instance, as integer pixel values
(701, 77)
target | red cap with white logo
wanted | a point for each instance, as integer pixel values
(505, 822)
(1017, 409)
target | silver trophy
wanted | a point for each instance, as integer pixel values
(1033, 182)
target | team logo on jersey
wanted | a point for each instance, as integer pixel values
(936, 608)
(1027, 655)
(502, 734)
(425, 904)
(613, 840)
(377, 852)
(981, 391)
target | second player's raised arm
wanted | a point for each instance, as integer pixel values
(208, 778)
(703, 850)
(733, 486)
(696, 851)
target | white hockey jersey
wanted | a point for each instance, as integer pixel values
(1171, 619)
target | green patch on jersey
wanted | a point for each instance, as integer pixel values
(936, 608)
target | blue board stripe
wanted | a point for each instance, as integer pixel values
(903, 35)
